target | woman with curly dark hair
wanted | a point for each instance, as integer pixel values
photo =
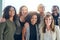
(7, 28)
(30, 30)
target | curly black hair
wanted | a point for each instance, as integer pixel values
(29, 16)
(6, 12)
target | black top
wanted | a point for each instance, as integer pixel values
(55, 18)
(22, 24)
(33, 32)
(19, 26)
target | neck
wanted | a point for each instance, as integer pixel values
(11, 19)
(48, 28)
(55, 14)
(32, 23)
(22, 19)
(42, 13)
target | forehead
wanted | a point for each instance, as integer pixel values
(40, 6)
(11, 8)
(34, 16)
(48, 17)
(24, 8)
(55, 7)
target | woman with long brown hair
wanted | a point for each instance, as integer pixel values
(20, 21)
(49, 31)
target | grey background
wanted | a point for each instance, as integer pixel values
(0, 8)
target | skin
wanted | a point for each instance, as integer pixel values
(22, 19)
(48, 22)
(11, 13)
(24, 14)
(24, 11)
(34, 19)
(55, 11)
(41, 9)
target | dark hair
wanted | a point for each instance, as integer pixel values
(20, 10)
(6, 12)
(55, 7)
(29, 16)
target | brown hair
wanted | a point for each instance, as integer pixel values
(20, 10)
(52, 26)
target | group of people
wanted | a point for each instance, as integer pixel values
(30, 25)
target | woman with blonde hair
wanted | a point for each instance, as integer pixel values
(49, 31)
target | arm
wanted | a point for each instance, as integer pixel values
(23, 33)
(57, 32)
(41, 34)
(2, 27)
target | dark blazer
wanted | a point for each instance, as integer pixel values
(55, 18)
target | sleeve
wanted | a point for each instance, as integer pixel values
(2, 27)
(18, 26)
(17, 22)
(23, 33)
(41, 34)
(57, 32)
(59, 22)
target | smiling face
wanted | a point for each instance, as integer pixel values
(48, 21)
(11, 12)
(24, 11)
(55, 9)
(34, 19)
(41, 8)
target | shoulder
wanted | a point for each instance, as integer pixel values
(40, 30)
(56, 27)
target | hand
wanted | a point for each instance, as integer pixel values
(2, 20)
(26, 25)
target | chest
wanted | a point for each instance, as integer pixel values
(50, 36)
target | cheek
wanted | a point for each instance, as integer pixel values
(25, 12)
(34, 20)
(11, 13)
(48, 22)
